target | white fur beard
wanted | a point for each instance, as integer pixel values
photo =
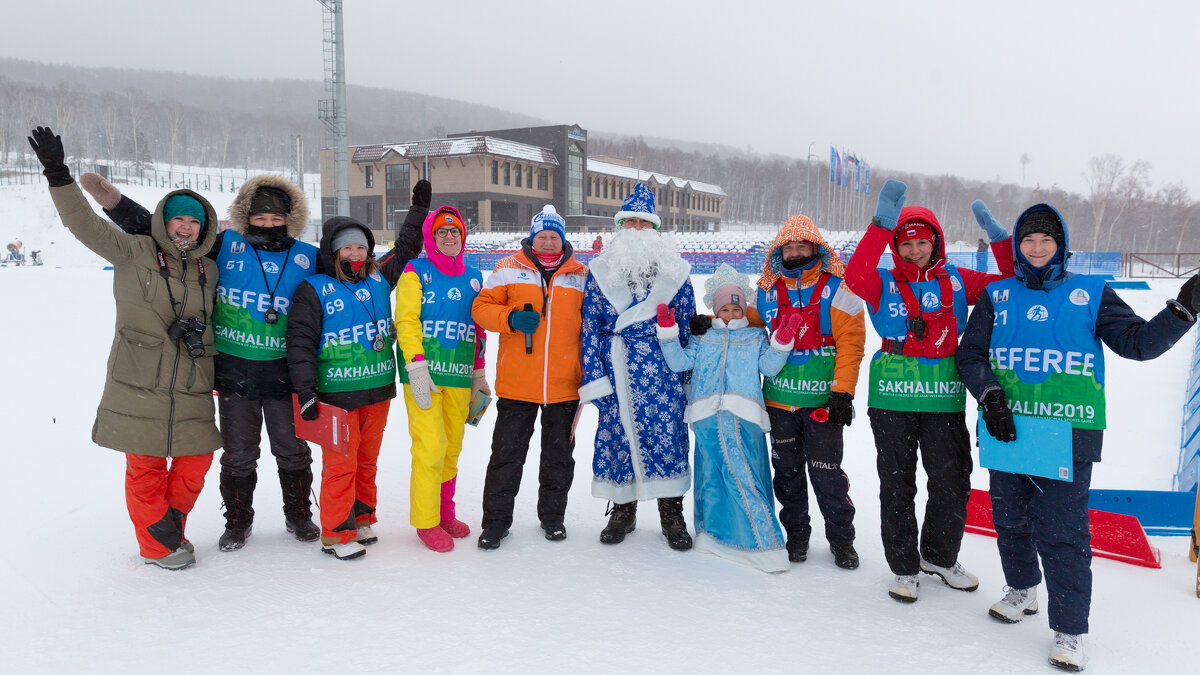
(636, 257)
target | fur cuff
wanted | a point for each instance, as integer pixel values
(595, 389)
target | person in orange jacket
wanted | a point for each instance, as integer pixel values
(803, 276)
(533, 300)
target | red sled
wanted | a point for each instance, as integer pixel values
(330, 430)
(1114, 535)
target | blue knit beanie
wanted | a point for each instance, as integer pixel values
(549, 220)
(183, 205)
(639, 204)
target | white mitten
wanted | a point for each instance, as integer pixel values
(421, 384)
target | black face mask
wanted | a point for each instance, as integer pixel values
(268, 237)
(799, 262)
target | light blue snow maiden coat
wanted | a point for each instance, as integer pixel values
(735, 514)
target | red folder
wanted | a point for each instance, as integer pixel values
(330, 430)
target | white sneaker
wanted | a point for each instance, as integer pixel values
(348, 551)
(366, 535)
(1067, 652)
(955, 576)
(904, 588)
(1016, 604)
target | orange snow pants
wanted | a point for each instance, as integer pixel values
(348, 493)
(160, 497)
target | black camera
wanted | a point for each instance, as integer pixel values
(191, 333)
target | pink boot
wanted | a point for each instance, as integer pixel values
(436, 539)
(453, 526)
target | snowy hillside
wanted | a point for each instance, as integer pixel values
(78, 598)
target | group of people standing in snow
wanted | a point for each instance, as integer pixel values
(261, 316)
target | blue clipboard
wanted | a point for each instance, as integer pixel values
(1043, 448)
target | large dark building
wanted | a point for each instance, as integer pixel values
(499, 179)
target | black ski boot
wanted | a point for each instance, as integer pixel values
(674, 527)
(844, 555)
(797, 550)
(621, 523)
(238, 494)
(297, 509)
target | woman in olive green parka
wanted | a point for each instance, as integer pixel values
(157, 405)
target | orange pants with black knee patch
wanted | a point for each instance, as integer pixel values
(159, 493)
(348, 492)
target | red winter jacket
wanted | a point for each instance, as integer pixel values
(862, 274)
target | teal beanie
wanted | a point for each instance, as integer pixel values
(183, 205)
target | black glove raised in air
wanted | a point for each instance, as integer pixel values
(49, 150)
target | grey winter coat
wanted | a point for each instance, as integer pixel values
(157, 400)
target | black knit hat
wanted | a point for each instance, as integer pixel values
(1042, 222)
(270, 200)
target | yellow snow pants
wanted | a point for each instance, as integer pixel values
(437, 435)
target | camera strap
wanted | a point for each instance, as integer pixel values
(164, 270)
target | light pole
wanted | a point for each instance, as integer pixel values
(808, 180)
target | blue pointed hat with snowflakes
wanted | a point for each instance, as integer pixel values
(639, 204)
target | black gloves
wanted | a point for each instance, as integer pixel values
(998, 417)
(308, 407)
(841, 410)
(700, 324)
(1189, 295)
(422, 194)
(49, 150)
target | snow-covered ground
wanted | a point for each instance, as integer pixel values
(78, 599)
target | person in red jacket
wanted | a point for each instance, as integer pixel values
(533, 300)
(916, 399)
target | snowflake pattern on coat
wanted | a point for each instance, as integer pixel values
(657, 465)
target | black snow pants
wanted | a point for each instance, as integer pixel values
(945, 448)
(796, 441)
(1038, 517)
(241, 431)
(510, 445)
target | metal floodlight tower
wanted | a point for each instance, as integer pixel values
(333, 111)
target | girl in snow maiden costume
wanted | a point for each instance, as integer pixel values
(442, 349)
(157, 406)
(802, 277)
(340, 351)
(642, 440)
(1032, 347)
(735, 511)
(919, 308)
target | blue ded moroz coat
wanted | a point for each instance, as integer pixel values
(735, 507)
(641, 448)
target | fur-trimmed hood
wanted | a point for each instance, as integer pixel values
(239, 210)
(798, 228)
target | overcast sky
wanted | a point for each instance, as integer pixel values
(956, 87)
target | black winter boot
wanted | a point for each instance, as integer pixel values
(297, 509)
(670, 514)
(238, 494)
(797, 550)
(844, 555)
(621, 523)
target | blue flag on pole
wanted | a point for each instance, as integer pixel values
(833, 165)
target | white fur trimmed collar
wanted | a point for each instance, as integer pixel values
(669, 281)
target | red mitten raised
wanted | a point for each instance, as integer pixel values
(666, 318)
(786, 333)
